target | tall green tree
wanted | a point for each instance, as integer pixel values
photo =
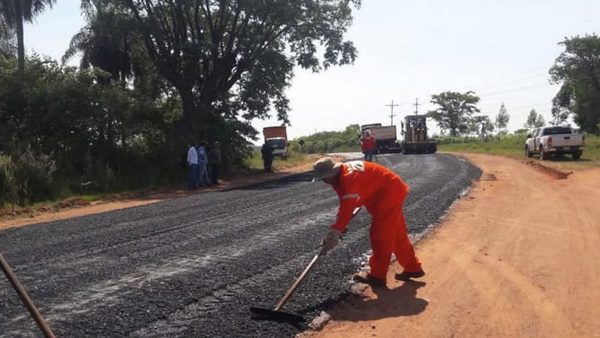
(578, 69)
(560, 113)
(231, 61)
(534, 120)
(14, 13)
(482, 125)
(502, 118)
(455, 111)
(7, 33)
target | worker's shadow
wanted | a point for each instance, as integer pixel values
(399, 301)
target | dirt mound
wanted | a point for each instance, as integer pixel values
(560, 175)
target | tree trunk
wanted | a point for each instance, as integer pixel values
(20, 38)
(185, 127)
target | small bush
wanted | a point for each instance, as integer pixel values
(26, 178)
(8, 187)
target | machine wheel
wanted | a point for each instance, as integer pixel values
(542, 155)
(577, 155)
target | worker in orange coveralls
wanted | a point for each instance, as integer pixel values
(368, 145)
(383, 193)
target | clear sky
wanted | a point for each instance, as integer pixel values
(408, 49)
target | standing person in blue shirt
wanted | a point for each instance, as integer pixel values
(192, 162)
(202, 166)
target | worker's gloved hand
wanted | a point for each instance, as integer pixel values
(331, 240)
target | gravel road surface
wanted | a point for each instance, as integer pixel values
(192, 266)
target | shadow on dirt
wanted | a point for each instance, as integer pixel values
(390, 303)
(564, 158)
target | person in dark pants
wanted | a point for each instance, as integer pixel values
(192, 162)
(214, 162)
(267, 156)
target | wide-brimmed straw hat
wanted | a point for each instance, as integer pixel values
(325, 167)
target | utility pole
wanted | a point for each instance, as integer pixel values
(417, 107)
(392, 112)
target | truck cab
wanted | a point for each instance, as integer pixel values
(276, 138)
(279, 146)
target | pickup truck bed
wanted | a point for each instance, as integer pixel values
(554, 140)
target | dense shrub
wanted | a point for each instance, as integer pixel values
(66, 131)
(26, 177)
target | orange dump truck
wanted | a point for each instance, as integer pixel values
(276, 137)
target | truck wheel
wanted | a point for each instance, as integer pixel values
(577, 155)
(527, 152)
(542, 155)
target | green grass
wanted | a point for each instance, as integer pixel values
(513, 146)
(294, 158)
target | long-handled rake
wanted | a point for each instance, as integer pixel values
(277, 313)
(12, 278)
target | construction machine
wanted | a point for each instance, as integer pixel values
(385, 137)
(416, 139)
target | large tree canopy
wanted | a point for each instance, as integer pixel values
(578, 69)
(231, 61)
(455, 111)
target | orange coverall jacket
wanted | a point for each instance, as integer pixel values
(368, 143)
(383, 193)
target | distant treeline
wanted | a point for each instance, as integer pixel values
(329, 141)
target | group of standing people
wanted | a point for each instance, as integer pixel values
(203, 166)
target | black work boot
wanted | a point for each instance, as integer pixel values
(364, 277)
(406, 276)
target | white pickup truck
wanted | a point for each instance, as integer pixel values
(554, 140)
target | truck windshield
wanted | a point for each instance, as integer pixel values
(277, 143)
(557, 130)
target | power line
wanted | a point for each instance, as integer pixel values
(536, 74)
(511, 82)
(514, 90)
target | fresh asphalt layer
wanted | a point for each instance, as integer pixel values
(193, 266)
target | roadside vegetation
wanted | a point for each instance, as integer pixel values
(146, 89)
(294, 158)
(347, 140)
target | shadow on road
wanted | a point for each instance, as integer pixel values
(276, 183)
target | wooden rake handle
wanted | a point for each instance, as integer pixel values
(299, 280)
(14, 281)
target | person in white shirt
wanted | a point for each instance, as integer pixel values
(192, 161)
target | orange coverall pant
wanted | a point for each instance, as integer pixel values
(389, 235)
(383, 193)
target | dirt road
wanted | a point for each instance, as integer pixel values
(518, 257)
